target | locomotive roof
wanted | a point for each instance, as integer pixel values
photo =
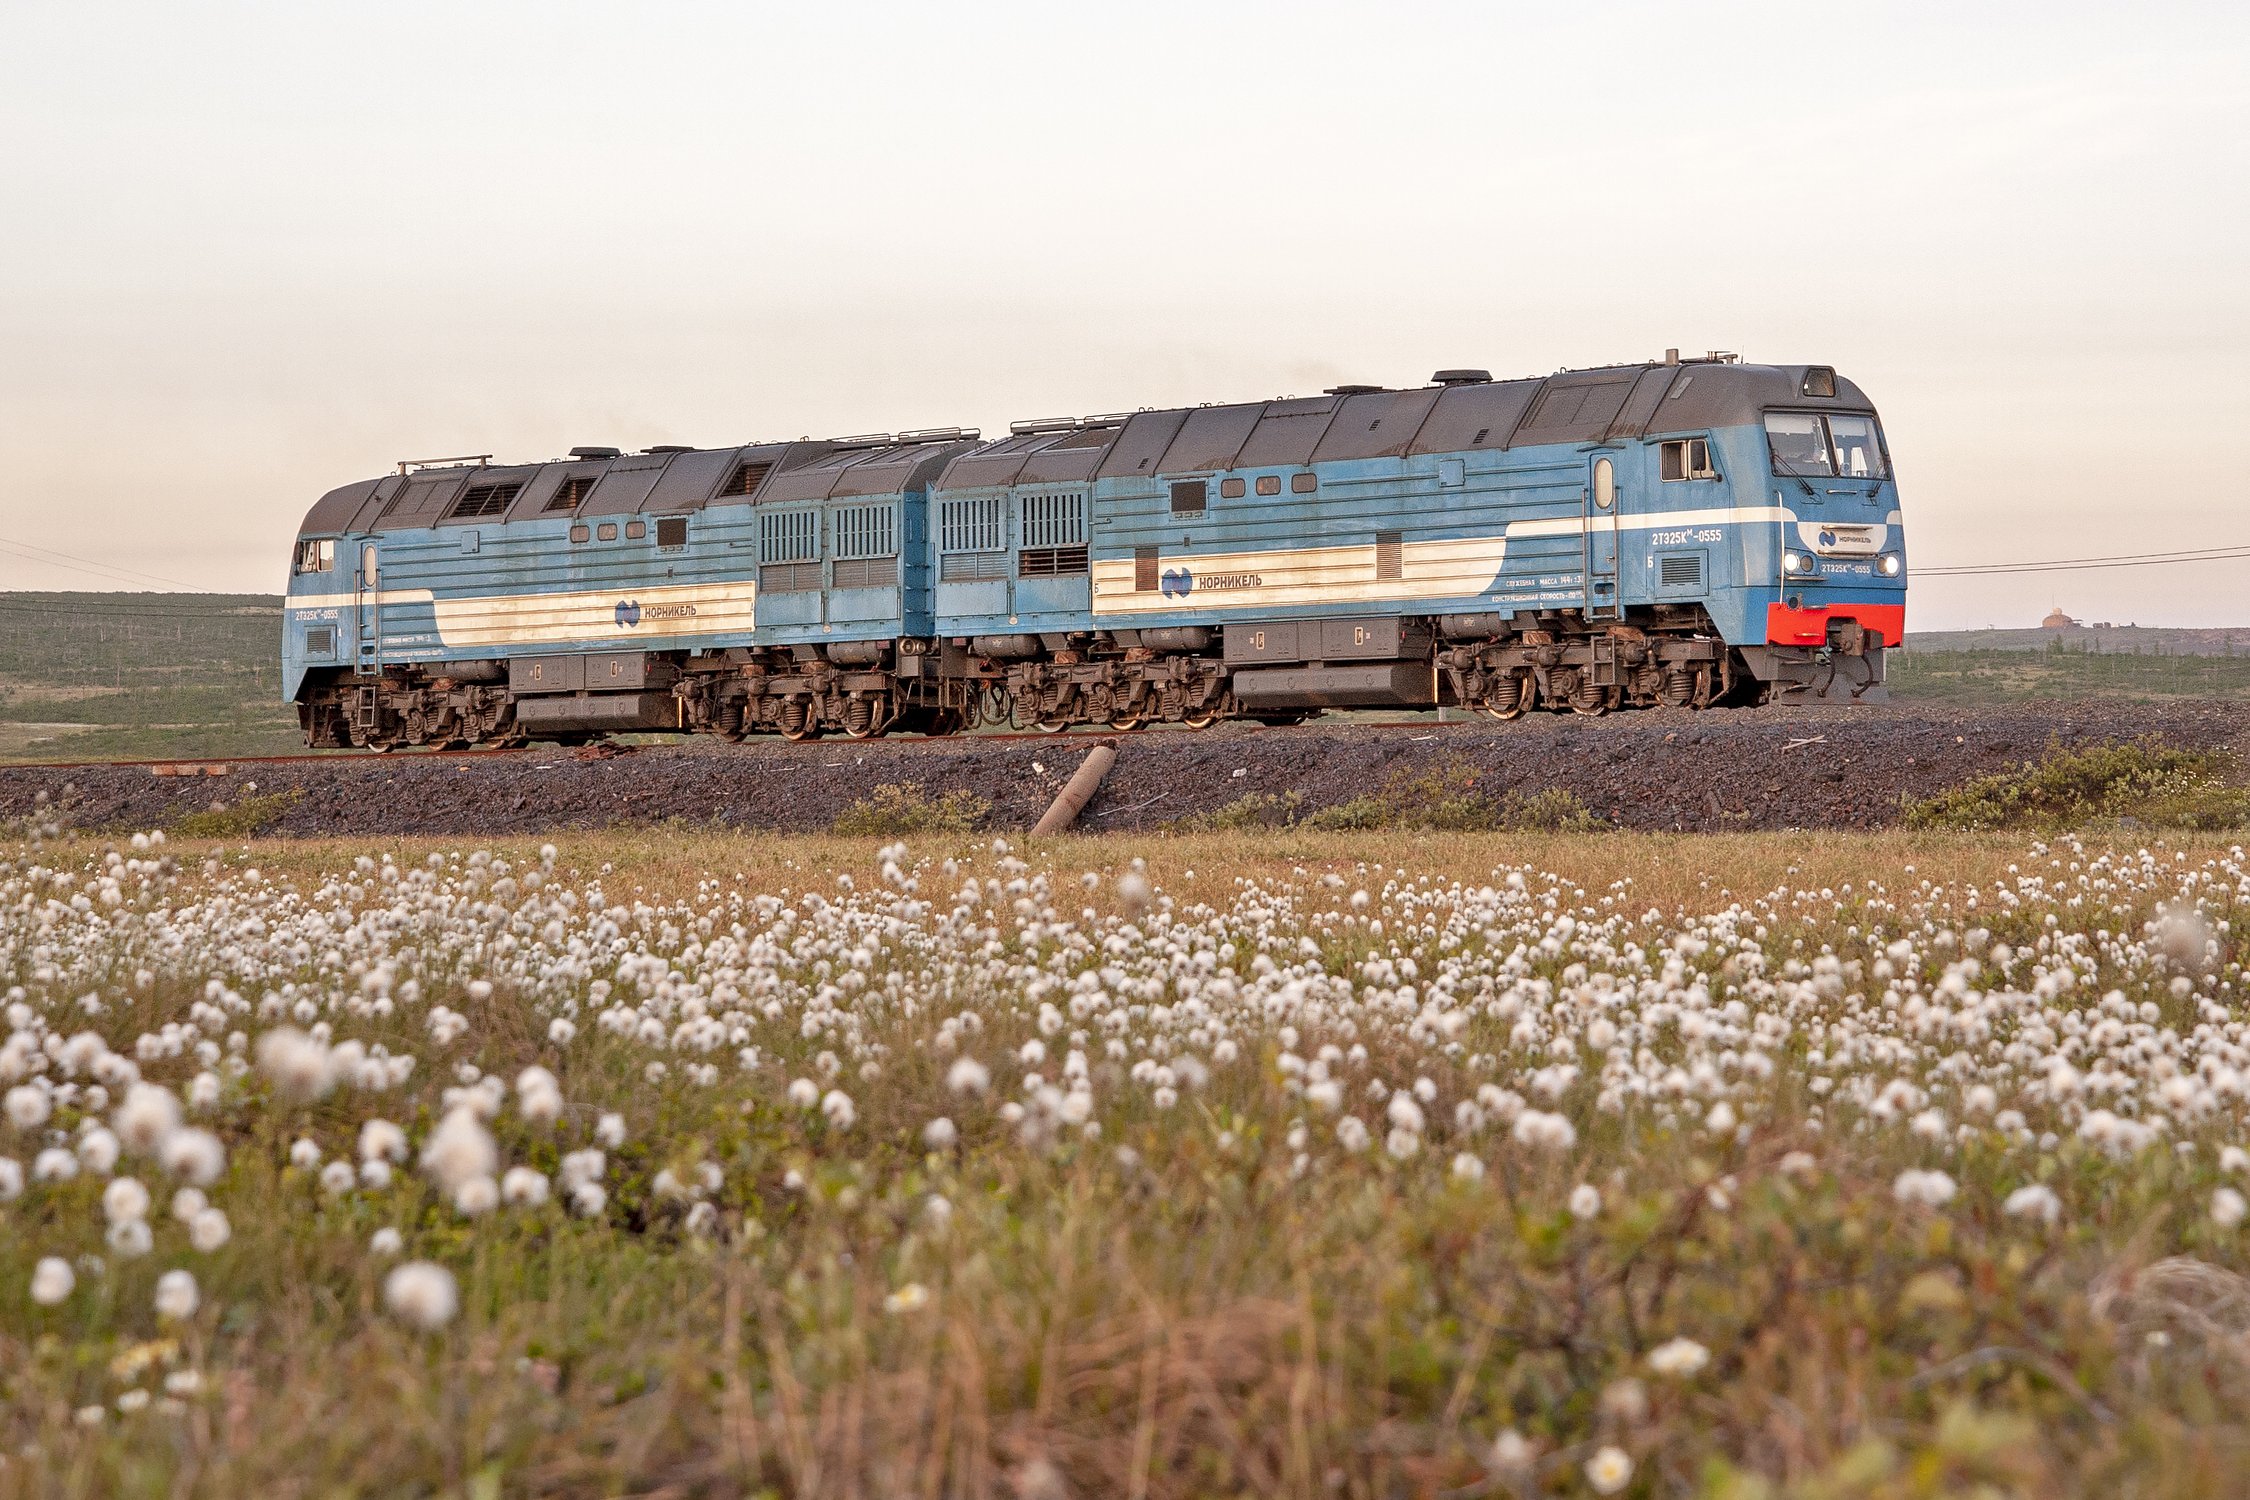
(1463, 414)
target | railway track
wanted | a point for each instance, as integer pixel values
(217, 765)
(1778, 767)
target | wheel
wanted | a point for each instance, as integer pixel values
(1510, 697)
(1057, 727)
(1200, 721)
(1592, 702)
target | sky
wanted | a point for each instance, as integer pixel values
(252, 252)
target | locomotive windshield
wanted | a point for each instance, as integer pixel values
(1814, 445)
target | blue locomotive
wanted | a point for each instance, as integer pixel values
(1683, 533)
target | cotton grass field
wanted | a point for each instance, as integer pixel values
(1282, 1164)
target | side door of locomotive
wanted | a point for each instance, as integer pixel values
(1604, 500)
(367, 608)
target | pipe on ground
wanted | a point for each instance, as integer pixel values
(1079, 790)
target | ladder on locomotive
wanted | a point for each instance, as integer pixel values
(367, 636)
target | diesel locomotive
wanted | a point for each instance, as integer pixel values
(1683, 532)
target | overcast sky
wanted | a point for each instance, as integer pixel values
(250, 252)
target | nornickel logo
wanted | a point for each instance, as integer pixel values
(628, 613)
(1176, 583)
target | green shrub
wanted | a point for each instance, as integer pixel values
(895, 810)
(2142, 782)
(236, 820)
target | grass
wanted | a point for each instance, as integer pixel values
(1996, 676)
(141, 676)
(1188, 1315)
(2139, 784)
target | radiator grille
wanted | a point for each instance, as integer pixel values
(746, 478)
(866, 572)
(1390, 555)
(867, 531)
(1145, 569)
(972, 567)
(572, 493)
(480, 500)
(1680, 570)
(1051, 562)
(1055, 521)
(973, 524)
(789, 578)
(789, 536)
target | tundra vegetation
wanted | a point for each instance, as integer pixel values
(1299, 1162)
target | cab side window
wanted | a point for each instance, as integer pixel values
(316, 554)
(1688, 458)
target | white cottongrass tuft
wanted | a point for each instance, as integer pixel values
(1133, 892)
(1585, 1200)
(97, 1151)
(386, 1241)
(28, 1106)
(2037, 1201)
(968, 1076)
(838, 1107)
(125, 1200)
(476, 1195)
(940, 1134)
(422, 1295)
(1352, 1134)
(304, 1154)
(459, 1150)
(176, 1296)
(803, 1093)
(130, 1238)
(1678, 1358)
(2228, 1207)
(538, 1097)
(1543, 1131)
(338, 1178)
(381, 1140)
(192, 1154)
(52, 1280)
(298, 1064)
(1609, 1471)
(1928, 1188)
(523, 1187)
(11, 1179)
(147, 1116)
(209, 1230)
(610, 1130)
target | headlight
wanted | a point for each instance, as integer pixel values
(1892, 565)
(1795, 562)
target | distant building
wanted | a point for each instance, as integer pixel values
(2058, 621)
